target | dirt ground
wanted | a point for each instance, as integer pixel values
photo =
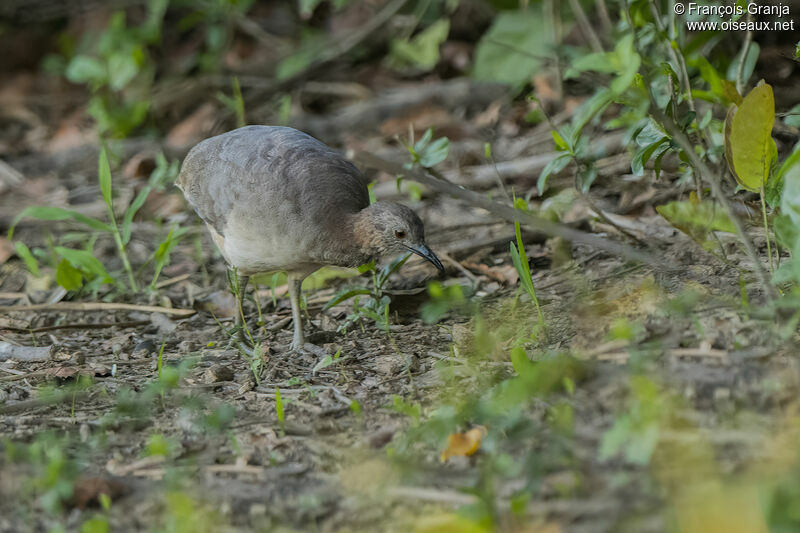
(646, 399)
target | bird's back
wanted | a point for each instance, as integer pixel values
(271, 191)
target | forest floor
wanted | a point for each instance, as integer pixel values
(647, 397)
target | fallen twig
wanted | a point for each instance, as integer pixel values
(96, 306)
(101, 325)
(509, 213)
(25, 353)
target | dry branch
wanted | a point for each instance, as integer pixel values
(96, 306)
(552, 229)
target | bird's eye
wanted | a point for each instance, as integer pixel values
(400, 234)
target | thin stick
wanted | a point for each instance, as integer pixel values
(96, 306)
(509, 213)
(586, 26)
(102, 325)
(766, 227)
(677, 58)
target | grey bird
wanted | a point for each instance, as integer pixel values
(277, 199)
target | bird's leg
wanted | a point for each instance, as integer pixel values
(294, 295)
(241, 286)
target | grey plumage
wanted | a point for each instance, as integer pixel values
(275, 198)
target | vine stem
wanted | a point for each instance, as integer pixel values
(766, 228)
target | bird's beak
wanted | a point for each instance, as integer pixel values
(424, 252)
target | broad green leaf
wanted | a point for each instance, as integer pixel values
(104, 176)
(520, 361)
(435, 153)
(69, 277)
(83, 260)
(122, 68)
(57, 213)
(696, 218)
(588, 110)
(423, 49)
(643, 155)
(422, 143)
(511, 51)
(650, 133)
(85, 69)
(748, 139)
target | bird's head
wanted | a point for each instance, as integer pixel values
(394, 229)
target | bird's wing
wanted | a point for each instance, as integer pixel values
(271, 172)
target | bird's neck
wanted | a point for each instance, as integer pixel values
(354, 237)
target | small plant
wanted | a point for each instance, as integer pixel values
(279, 410)
(76, 268)
(377, 305)
(116, 66)
(520, 260)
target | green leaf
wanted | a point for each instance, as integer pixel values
(25, 254)
(83, 260)
(69, 277)
(127, 219)
(104, 176)
(696, 218)
(748, 138)
(345, 294)
(643, 155)
(519, 360)
(749, 63)
(553, 167)
(57, 213)
(512, 50)
(98, 524)
(790, 200)
(85, 69)
(561, 144)
(435, 153)
(423, 49)
(122, 68)
(792, 117)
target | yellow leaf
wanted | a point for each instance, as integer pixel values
(448, 523)
(748, 139)
(464, 444)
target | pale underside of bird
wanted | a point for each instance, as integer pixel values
(276, 199)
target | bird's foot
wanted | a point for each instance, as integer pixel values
(306, 348)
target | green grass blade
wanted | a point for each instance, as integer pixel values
(127, 219)
(25, 254)
(104, 175)
(57, 213)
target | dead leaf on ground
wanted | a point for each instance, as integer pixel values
(219, 303)
(87, 491)
(6, 250)
(193, 128)
(505, 274)
(140, 166)
(464, 444)
(422, 117)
